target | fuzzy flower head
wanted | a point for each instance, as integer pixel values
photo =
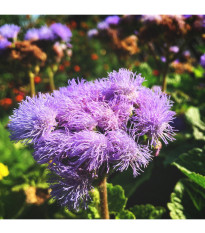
(113, 20)
(87, 129)
(32, 34)
(174, 49)
(202, 60)
(34, 118)
(103, 25)
(9, 31)
(4, 43)
(92, 32)
(125, 152)
(153, 116)
(71, 189)
(45, 33)
(53, 147)
(123, 83)
(61, 31)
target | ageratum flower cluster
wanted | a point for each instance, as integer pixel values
(8, 32)
(88, 129)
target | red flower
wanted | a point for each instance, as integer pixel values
(66, 63)
(61, 67)
(37, 79)
(6, 102)
(19, 98)
(155, 72)
(94, 56)
(76, 68)
(72, 24)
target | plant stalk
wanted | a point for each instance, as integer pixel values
(103, 199)
(32, 84)
(164, 82)
(51, 79)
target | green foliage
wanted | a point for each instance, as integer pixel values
(193, 117)
(148, 211)
(116, 198)
(192, 165)
(125, 214)
(187, 201)
(14, 154)
(199, 71)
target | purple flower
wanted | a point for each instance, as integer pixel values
(187, 53)
(92, 32)
(61, 31)
(174, 49)
(125, 152)
(103, 25)
(32, 34)
(163, 59)
(45, 33)
(34, 118)
(9, 31)
(153, 116)
(88, 151)
(187, 16)
(202, 60)
(70, 188)
(54, 147)
(4, 43)
(113, 20)
(86, 129)
(103, 114)
(123, 83)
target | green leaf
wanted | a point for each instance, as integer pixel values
(187, 201)
(116, 198)
(198, 71)
(125, 214)
(192, 164)
(148, 211)
(193, 117)
(198, 135)
(93, 210)
(17, 158)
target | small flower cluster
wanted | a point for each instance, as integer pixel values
(108, 22)
(55, 31)
(110, 31)
(8, 32)
(88, 129)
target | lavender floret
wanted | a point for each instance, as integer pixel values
(9, 31)
(113, 20)
(202, 60)
(61, 31)
(4, 43)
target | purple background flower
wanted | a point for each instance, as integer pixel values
(4, 43)
(61, 31)
(9, 31)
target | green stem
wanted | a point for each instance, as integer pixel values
(32, 84)
(103, 199)
(51, 79)
(164, 76)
